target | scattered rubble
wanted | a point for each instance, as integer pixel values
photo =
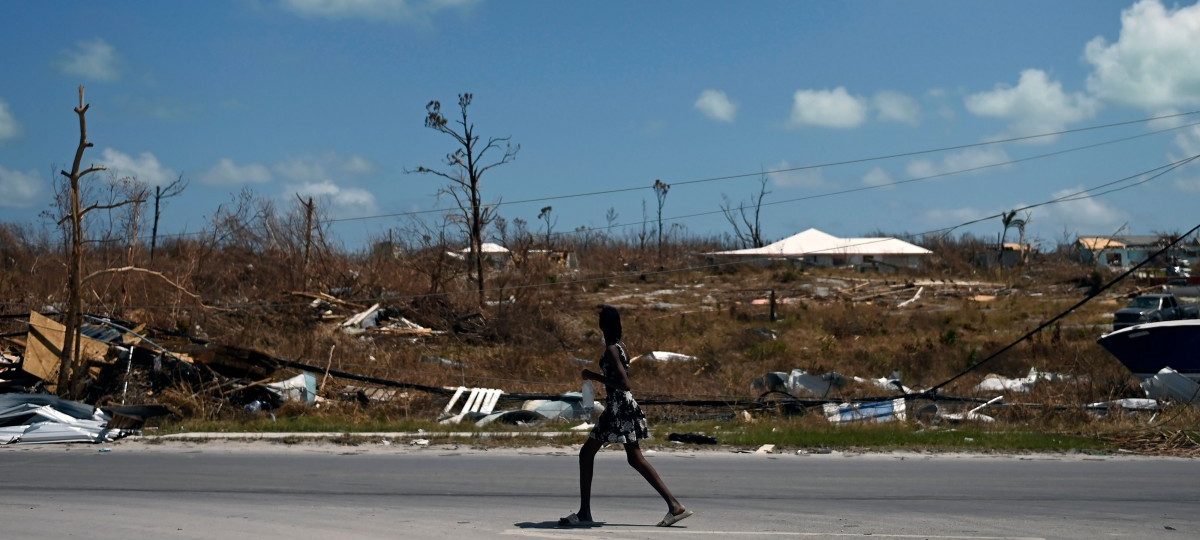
(691, 438)
(663, 356)
(42, 418)
(1169, 385)
(999, 383)
(876, 411)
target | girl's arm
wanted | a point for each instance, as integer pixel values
(588, 374)
(621, 379)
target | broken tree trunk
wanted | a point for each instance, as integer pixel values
(69, 356)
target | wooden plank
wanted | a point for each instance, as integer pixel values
(44, 343)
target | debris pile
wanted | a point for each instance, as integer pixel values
(42, 418)
(124, 362)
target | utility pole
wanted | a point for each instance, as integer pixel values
(309, 207)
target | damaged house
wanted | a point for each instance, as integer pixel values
(1115, 252)
(817, 248)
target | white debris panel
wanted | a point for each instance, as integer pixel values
(999, 383)
(875, 411)
(1169, 385)
(665, 356)
(41, 418)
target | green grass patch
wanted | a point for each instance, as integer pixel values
(891, 436)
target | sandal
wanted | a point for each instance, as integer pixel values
(671, 519)
(573, 520)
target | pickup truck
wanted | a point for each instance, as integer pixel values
(1153, 308)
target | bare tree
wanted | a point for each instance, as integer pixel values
(427, 245)
(466, 167)
(163, 192)
(69, 356)
(136, 192)
(660, 192)
(742, 216)
(545, 216)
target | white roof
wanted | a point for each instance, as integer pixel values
(487, 247)
(814, 242)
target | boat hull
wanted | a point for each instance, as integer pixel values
(1147, 348)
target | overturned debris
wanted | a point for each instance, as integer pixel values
(800, 381)
(999, 383)
(972, 415)
(378, 319)
(874, 411)
(1169, 385)
(41, 419)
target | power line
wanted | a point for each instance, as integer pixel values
(1154, 173)
(806, 167)
(881, 186)
(807, 197)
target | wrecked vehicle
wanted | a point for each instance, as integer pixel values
(1149, 308)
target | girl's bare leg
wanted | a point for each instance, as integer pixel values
(587, 457)
(636, 460)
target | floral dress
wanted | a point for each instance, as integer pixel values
(622, 420)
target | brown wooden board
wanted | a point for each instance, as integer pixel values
(44, 343)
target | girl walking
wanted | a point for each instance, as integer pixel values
(621, 422)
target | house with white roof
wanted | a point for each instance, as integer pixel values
(821, 249)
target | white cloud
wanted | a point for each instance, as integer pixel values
(961, 160)
(828, 108)
(372, 10)
(358, 165)
(1091, 213)
(1155, 62)
(9, 127)
(18, 189)
(1188, 143)
(1191, 185)
(343, 201)
(1035, 105)
(96, 60)
(319, 177)
(877, 177)
(716, 105)
(1173, 120)
(226, 172)
(803, 178)
(897, 107)
(322, 168)
(145, 167)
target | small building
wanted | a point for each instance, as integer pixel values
(492, 253)
(821, 249)
(1011, 254)
(1127, 251)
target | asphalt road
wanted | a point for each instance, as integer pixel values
(219, 490)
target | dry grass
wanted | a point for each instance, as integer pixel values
(545, 318)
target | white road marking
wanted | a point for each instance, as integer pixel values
(575, 534)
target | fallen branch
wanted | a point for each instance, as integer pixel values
(328, 298)
(125, 269)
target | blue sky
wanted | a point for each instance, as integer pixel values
(327, 98)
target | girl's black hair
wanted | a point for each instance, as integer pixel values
(610, 324)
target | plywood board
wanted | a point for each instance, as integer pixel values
(44, 343)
